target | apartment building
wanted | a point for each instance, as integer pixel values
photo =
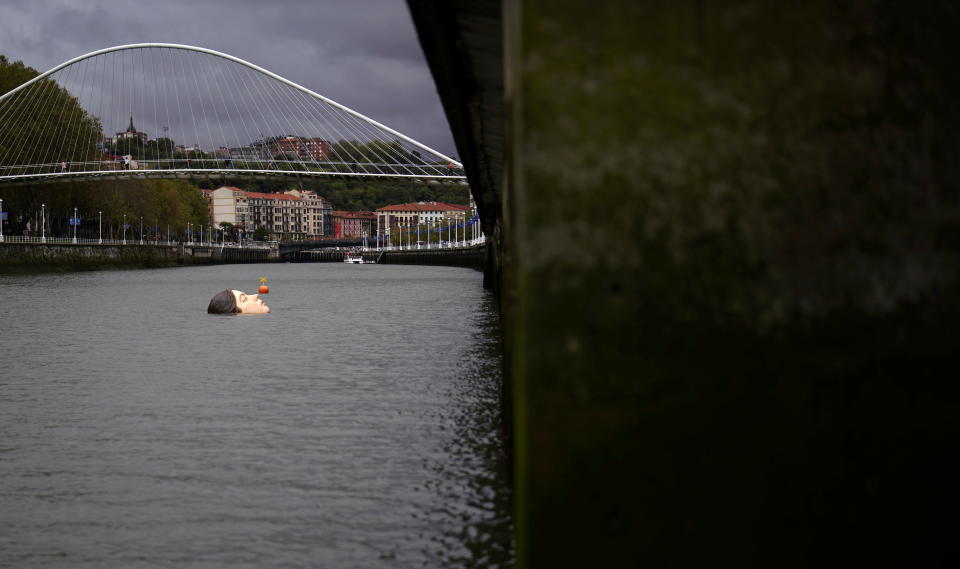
(303, 148)
(353, 223)
(228, 205)
(420, 213)
(295, 214)
(316, 213)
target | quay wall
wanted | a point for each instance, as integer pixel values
(474, 257)
(315, 256)
(67, 256)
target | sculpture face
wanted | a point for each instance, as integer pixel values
(250, 303)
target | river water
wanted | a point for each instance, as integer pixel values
(357, 425)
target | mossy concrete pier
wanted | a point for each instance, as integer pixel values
(729, 235)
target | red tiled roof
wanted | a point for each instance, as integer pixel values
(424, 206)
(261, 196)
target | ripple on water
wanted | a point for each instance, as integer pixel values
(357, 425)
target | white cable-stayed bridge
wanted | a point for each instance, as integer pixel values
(156, 110)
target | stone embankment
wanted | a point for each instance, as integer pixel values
(474, 257)
(29, 256)
(15, 257)
(461, 257)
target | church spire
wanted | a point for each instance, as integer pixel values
(131, 127)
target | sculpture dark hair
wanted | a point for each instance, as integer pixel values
(223, 303)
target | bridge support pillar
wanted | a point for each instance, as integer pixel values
(731, 290)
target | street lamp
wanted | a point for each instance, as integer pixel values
(141, 230)
(74, 226)
(1, 220)
(124, 229)
(100, 228)
(43, 223)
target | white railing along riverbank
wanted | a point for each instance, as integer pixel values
(158, 243)
(419, 247)
(245, 245)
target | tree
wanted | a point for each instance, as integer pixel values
(226, 227)
(260, 233)
(160, 202)
(38, 138)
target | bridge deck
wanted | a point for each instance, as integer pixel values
(195, 173)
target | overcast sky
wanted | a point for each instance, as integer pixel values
(361, 53)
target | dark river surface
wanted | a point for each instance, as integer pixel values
(357, 425)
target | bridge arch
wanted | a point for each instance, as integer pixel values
(369, 148)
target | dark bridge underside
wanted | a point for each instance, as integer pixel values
(463, 44)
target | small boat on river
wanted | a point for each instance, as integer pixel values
(353, 258)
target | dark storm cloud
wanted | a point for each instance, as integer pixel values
(363, 54)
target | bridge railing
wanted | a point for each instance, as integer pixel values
(181, 165)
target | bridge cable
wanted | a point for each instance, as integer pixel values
(10, 126)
